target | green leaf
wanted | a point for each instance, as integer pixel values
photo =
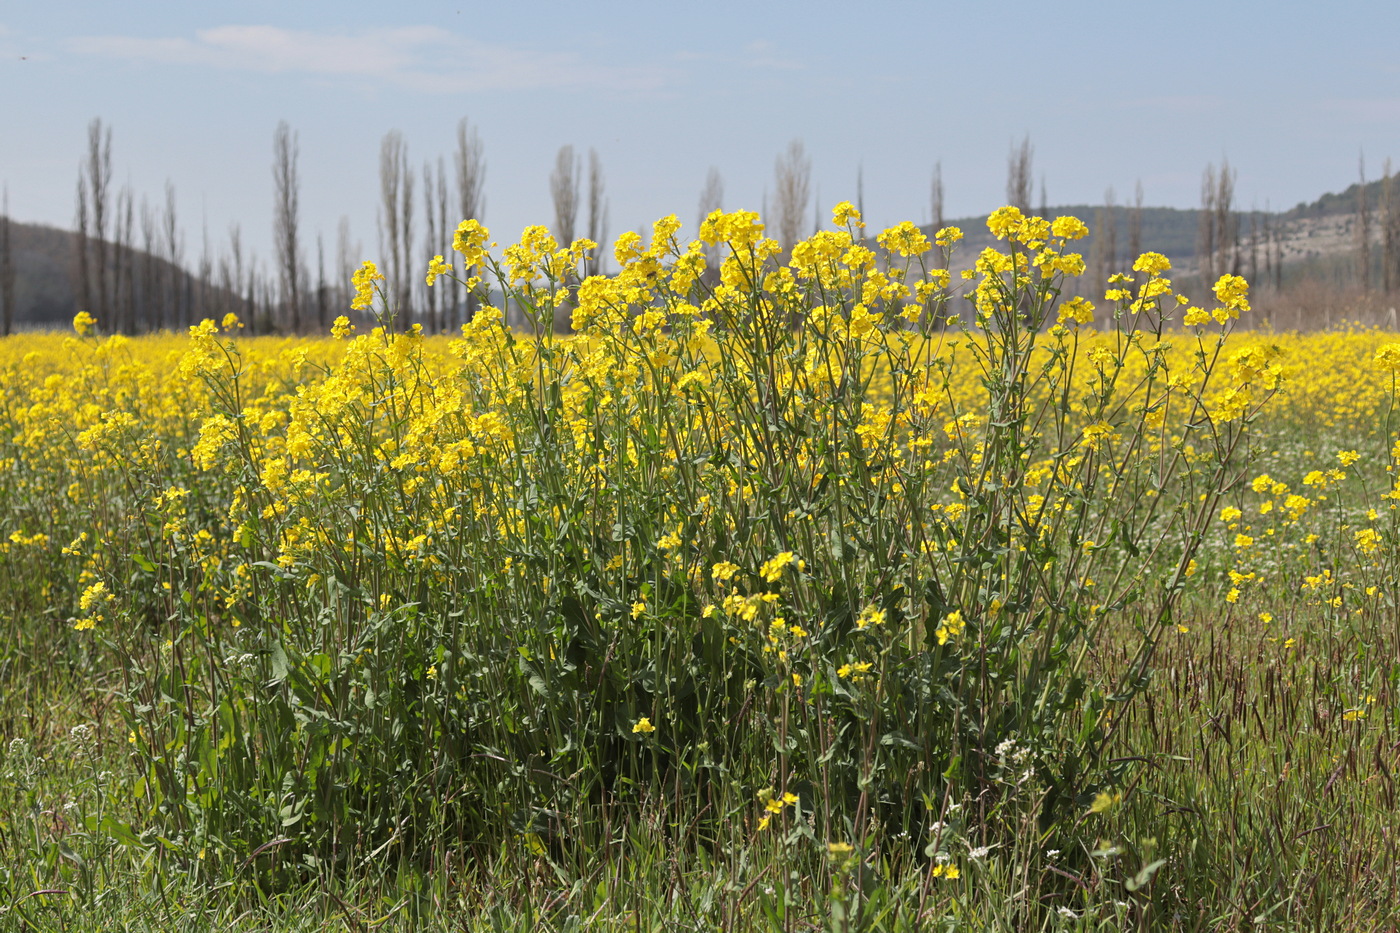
(280, 665)
(1144, 877)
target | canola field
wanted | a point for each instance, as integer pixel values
(825, 560)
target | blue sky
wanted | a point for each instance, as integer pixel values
(1109, 93)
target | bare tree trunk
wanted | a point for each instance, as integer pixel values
(936, 197)
(250, 300)
(1363, 230)
(394, 191)
(235, 247)
(433, 236)
(346, 258)
(446, 297)
(321, 296)
(150, 294)
(1044, 199)
(860, 189)
(287, 220)
(1135, 224)
(123, 296)
(1227, 230)
(1388, 230)
(99, 177)
(711, 200)
(410, 280)
(471, 176)
(1253, 246)
(7, 271)
(793, 189)
(597, 213)
(173, 255)
(80, 248)
(1018, 175)
(712, 195)
(1205, 231)
(564, 184)
(200, 287)
(1104, 249)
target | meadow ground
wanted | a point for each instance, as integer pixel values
(807, 595)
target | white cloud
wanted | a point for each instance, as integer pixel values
(764, 54)
(422, 58)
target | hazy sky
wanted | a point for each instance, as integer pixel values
(1109, 93)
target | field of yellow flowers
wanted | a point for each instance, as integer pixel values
(820, 588)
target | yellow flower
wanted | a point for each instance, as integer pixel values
(1005, 221)
(854, 672)
(904, 239)
(951, 627)
(470, 240)
(643, 726)
(1069, 228)
(341, 327)
(1387, 357)
(1078, 310)
(845, 214)
(363, 280)
(1152, 264)
(772, 569)
(947, 236)
(1194, 317)
(1105, 801)
(436, 268)
(870, 615)
(83, 323)
(724, 570)
(1232, 291)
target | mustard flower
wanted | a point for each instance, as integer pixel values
(1005, 221)
(363, 280)
(1387, 357)
(772, 569)
(436, 268)
(1079, 310)
(947, 236)
(1232, 291)
(1152, 264)
(904, 239)
(470, 240)
(951, 627)
(1069, 228)
(845, 214)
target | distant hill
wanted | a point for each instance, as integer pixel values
(145, 291)
(42, 258)
(46, 281)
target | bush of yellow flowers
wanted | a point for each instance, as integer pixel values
(806, 547)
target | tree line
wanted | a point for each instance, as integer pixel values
(130, 257)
